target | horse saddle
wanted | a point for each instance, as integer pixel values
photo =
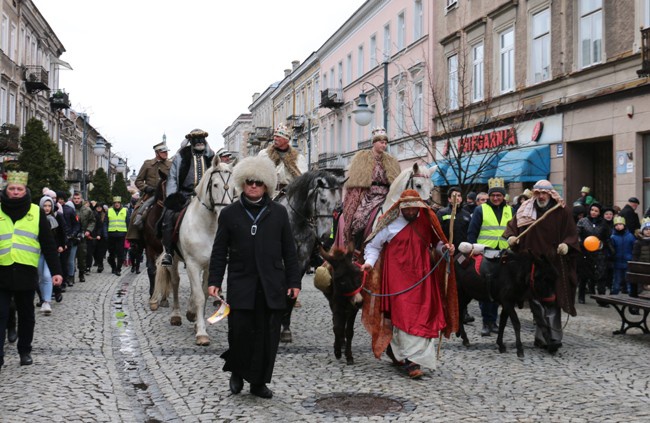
(178, 219)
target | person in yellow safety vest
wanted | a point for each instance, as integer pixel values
(488, 223)
(118, 217)
(24, 234)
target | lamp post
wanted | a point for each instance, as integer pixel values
(363, 113)
(84, 154)
(133, 177)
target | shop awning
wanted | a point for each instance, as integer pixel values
(438, 177)
(525, 164)
(476, 169)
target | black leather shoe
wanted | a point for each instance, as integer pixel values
(236, 383)
(581, 300)
(261, 391)
(26, 360)
(12, 335)
(468, 318)
(100, 269)
(117, 272)
(494, 328)
(82, 278)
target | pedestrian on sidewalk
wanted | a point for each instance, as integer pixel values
(44, 275)
(254, 240)
(118, 217)
(24, 233)
(86, 220)
(100, 237)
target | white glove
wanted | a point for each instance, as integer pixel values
(562, 249)
(512, 241)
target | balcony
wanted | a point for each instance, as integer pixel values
(73, 175)
(263, 133)
(645, 54)
(9, 138)
(36, 79)
(60, 100)
(331, 98)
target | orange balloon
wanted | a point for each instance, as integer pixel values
(591, 243)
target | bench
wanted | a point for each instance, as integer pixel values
(623, 304)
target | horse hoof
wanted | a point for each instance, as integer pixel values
(191, 316)
(202, 340)
(465, 342)
(520, 354)
(175, 321)
(350, 361)
(164, 303)
(153, 306)
(502, 349)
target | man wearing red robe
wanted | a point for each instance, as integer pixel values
(421, 302)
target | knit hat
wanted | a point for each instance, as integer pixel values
(496, 185)
(619, 220)
(645, 223)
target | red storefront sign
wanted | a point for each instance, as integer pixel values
(490, 141)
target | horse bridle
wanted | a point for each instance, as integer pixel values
(226, 193)
(410, 184)
(311, 221)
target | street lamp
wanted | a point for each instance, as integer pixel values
(121, 166)
(133, 177)
(100, 147)
(363, 114)
(84, 154)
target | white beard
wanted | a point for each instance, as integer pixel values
(542, 204)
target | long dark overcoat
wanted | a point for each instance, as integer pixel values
(269, 255)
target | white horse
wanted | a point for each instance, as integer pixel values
(194, 246)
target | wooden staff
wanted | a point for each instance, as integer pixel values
(451, 241)
(537, 221)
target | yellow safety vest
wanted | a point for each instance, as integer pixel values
(117, 221)
(19, 241)
(492, 230)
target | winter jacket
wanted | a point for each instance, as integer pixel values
(622, 243)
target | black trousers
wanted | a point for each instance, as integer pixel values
(26, 320)
(253, 339)
(116, 251)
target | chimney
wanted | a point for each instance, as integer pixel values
(295, 64)
(287, 72)
(255, 97)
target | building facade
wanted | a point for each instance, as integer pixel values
(236, 136)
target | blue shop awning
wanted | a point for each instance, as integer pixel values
(476, 169)
(525, 164)
(438, 177)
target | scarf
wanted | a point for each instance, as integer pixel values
(527, 212)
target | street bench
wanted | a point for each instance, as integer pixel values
(623, 304)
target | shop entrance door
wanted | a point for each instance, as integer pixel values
(590, 163)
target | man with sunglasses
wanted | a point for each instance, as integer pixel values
(190, 162)
(254, 241)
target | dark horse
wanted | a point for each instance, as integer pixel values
(514, 277)
(310, 201)
(344, 297)
(153, 245)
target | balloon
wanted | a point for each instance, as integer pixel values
(591, 243)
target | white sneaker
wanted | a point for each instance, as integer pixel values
(46, 309)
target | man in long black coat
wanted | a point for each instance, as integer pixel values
(255, 242)
(629, 213)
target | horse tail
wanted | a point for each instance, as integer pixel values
(162, 285)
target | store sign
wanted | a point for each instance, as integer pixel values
(489, 141)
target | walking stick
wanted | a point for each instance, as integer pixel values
(538, 220)
(448, 270)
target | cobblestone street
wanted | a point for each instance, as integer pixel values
(103, 356)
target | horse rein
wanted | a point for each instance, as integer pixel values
(410, 184)
(213, 204)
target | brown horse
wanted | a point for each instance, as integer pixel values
(151, 241)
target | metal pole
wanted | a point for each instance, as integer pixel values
(308, 143)
(84, 148)
(385, 99)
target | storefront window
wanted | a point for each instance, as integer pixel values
(646, 169)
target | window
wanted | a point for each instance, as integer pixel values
(5, 33)
(646, 169)
(3, 106)
(12, 108)
(340, 75)
(387, 42)
(332, 146)
(348, 69)
(418, 106)
(541, 46)
(401, 31)
(339, 135)
(477, 72)
(13, 42)
(591, 32)
(360, 66)
(646, 14)
(507, 55)
(452, 66)
(332, 80)
(348, 134)
(401, 113)
(418, 19)
(373, 51)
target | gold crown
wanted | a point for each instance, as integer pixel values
(282, 131)
(619, 219)
(496, 183)
(585, 189)
(17, 177)
(117, 199)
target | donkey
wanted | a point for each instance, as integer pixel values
(344, 297)
(512, 276)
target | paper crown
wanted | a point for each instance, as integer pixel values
(282, 131)
(496, 183)
(619, 219)
(117, 199)
(379, 133)
(645, 223)
(586, 189)
(17, 177)
(527, 193)
(162, 147)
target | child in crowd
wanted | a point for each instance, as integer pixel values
(622, 243)
(641, 251)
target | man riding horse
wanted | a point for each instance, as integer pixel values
(190, 162)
